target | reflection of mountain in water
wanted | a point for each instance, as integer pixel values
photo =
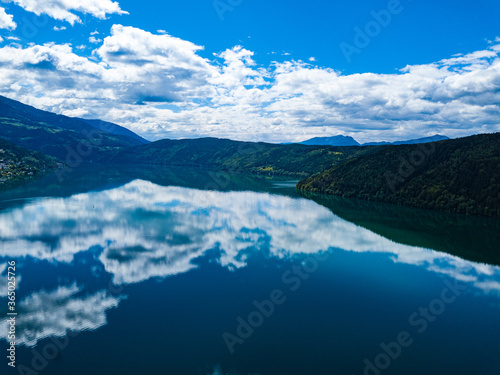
(469, 237)
(102, 177)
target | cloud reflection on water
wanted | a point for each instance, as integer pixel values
(146, 230)
(52, 314)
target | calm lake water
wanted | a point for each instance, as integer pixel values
(179, 271)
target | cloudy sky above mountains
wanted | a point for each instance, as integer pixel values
(374, 70)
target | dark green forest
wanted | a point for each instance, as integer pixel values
(293, 160)
(58, 135)
(460, 175)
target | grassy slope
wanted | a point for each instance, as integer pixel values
(292, 160)
(54, 134)
(460, 175)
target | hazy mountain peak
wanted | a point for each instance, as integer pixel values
(337, 140)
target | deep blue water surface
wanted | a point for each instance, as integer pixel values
(206, 273)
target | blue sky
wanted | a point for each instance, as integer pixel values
(259, 70)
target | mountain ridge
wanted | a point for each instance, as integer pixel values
(294, 160)
(57, 135)
(113, 129)
(341, 140)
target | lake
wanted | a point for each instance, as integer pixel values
(183, 271)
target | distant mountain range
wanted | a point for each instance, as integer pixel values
(293, 160)
(459, 175)
(341, 140)
(68, 139)
(434, 138)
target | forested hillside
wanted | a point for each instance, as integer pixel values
(459, 175)
(294, 160)
(58, 135)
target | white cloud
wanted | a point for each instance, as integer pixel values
(154, 68)
(94, 40)
(238, 69)
(312, 59)
(64, 10)
(52, 314)
(6, 20)
(61, 28)
(95, 32)
(160, 86)
(160, 31)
